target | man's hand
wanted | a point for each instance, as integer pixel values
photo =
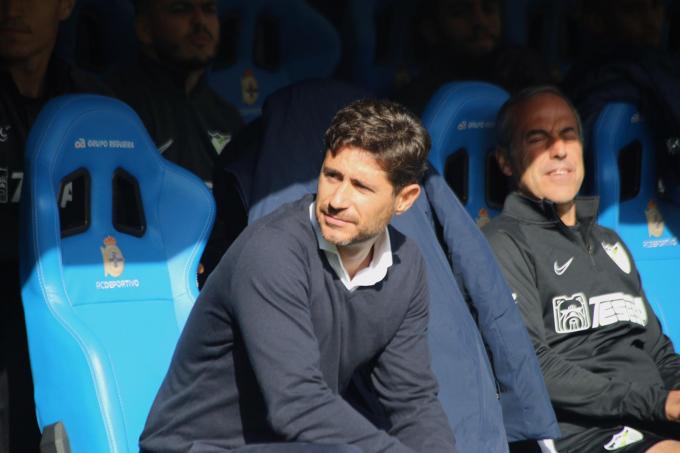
(673, 406)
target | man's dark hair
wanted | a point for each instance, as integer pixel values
(387, 130)
(506, 121)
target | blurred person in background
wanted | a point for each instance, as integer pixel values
(461, 40)
(623, 59)
(30, 75)
(190, 124)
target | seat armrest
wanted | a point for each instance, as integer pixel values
(54, 439)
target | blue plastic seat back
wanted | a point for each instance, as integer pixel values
(626, 180)
(460, 118)
(268, 44)
(104, 307)
(99, 35)
(540, 24)
(378, 38)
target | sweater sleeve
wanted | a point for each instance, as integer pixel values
(272, 309)
(572, 389)
(406, 386)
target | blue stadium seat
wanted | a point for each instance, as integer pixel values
(106, 295)
(378, 42)
(99, 35)
(539, 24)
(267, 44)
(626, 179)
(461, 117)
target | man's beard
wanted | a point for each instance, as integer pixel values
(360, 237)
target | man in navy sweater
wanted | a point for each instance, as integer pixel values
(317, 294)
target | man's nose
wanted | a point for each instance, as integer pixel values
(340, 197)
(558, 149)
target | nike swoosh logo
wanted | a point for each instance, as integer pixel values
(559, 270)
(164, 147)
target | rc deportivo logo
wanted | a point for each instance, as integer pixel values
(114, 262)
(559, 270)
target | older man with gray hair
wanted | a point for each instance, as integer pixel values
(611, 373)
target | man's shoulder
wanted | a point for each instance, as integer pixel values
(602, 232)
(404, 247)
(509, 239)
(286, 228)
(503, 226)
(214, 104)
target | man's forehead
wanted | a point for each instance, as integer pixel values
(545, 110)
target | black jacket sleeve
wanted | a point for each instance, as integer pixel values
(405, 383)
(659, 346)
(572, 388)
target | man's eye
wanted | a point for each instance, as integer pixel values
(363, 188)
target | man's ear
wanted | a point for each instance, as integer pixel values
(65, 9)
(503, 160)
(406, 197)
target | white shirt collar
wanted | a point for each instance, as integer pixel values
(370, 275)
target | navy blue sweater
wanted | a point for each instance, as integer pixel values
(275, 337)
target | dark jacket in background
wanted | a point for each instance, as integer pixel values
(17, 114)
(511, 68)
(191, 130)
(647, 78)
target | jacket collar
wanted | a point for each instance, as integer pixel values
(544, 212)
(168, 77)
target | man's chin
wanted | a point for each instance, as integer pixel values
(338, 240)
(351, 241)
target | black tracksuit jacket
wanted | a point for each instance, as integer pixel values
(603, 355)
